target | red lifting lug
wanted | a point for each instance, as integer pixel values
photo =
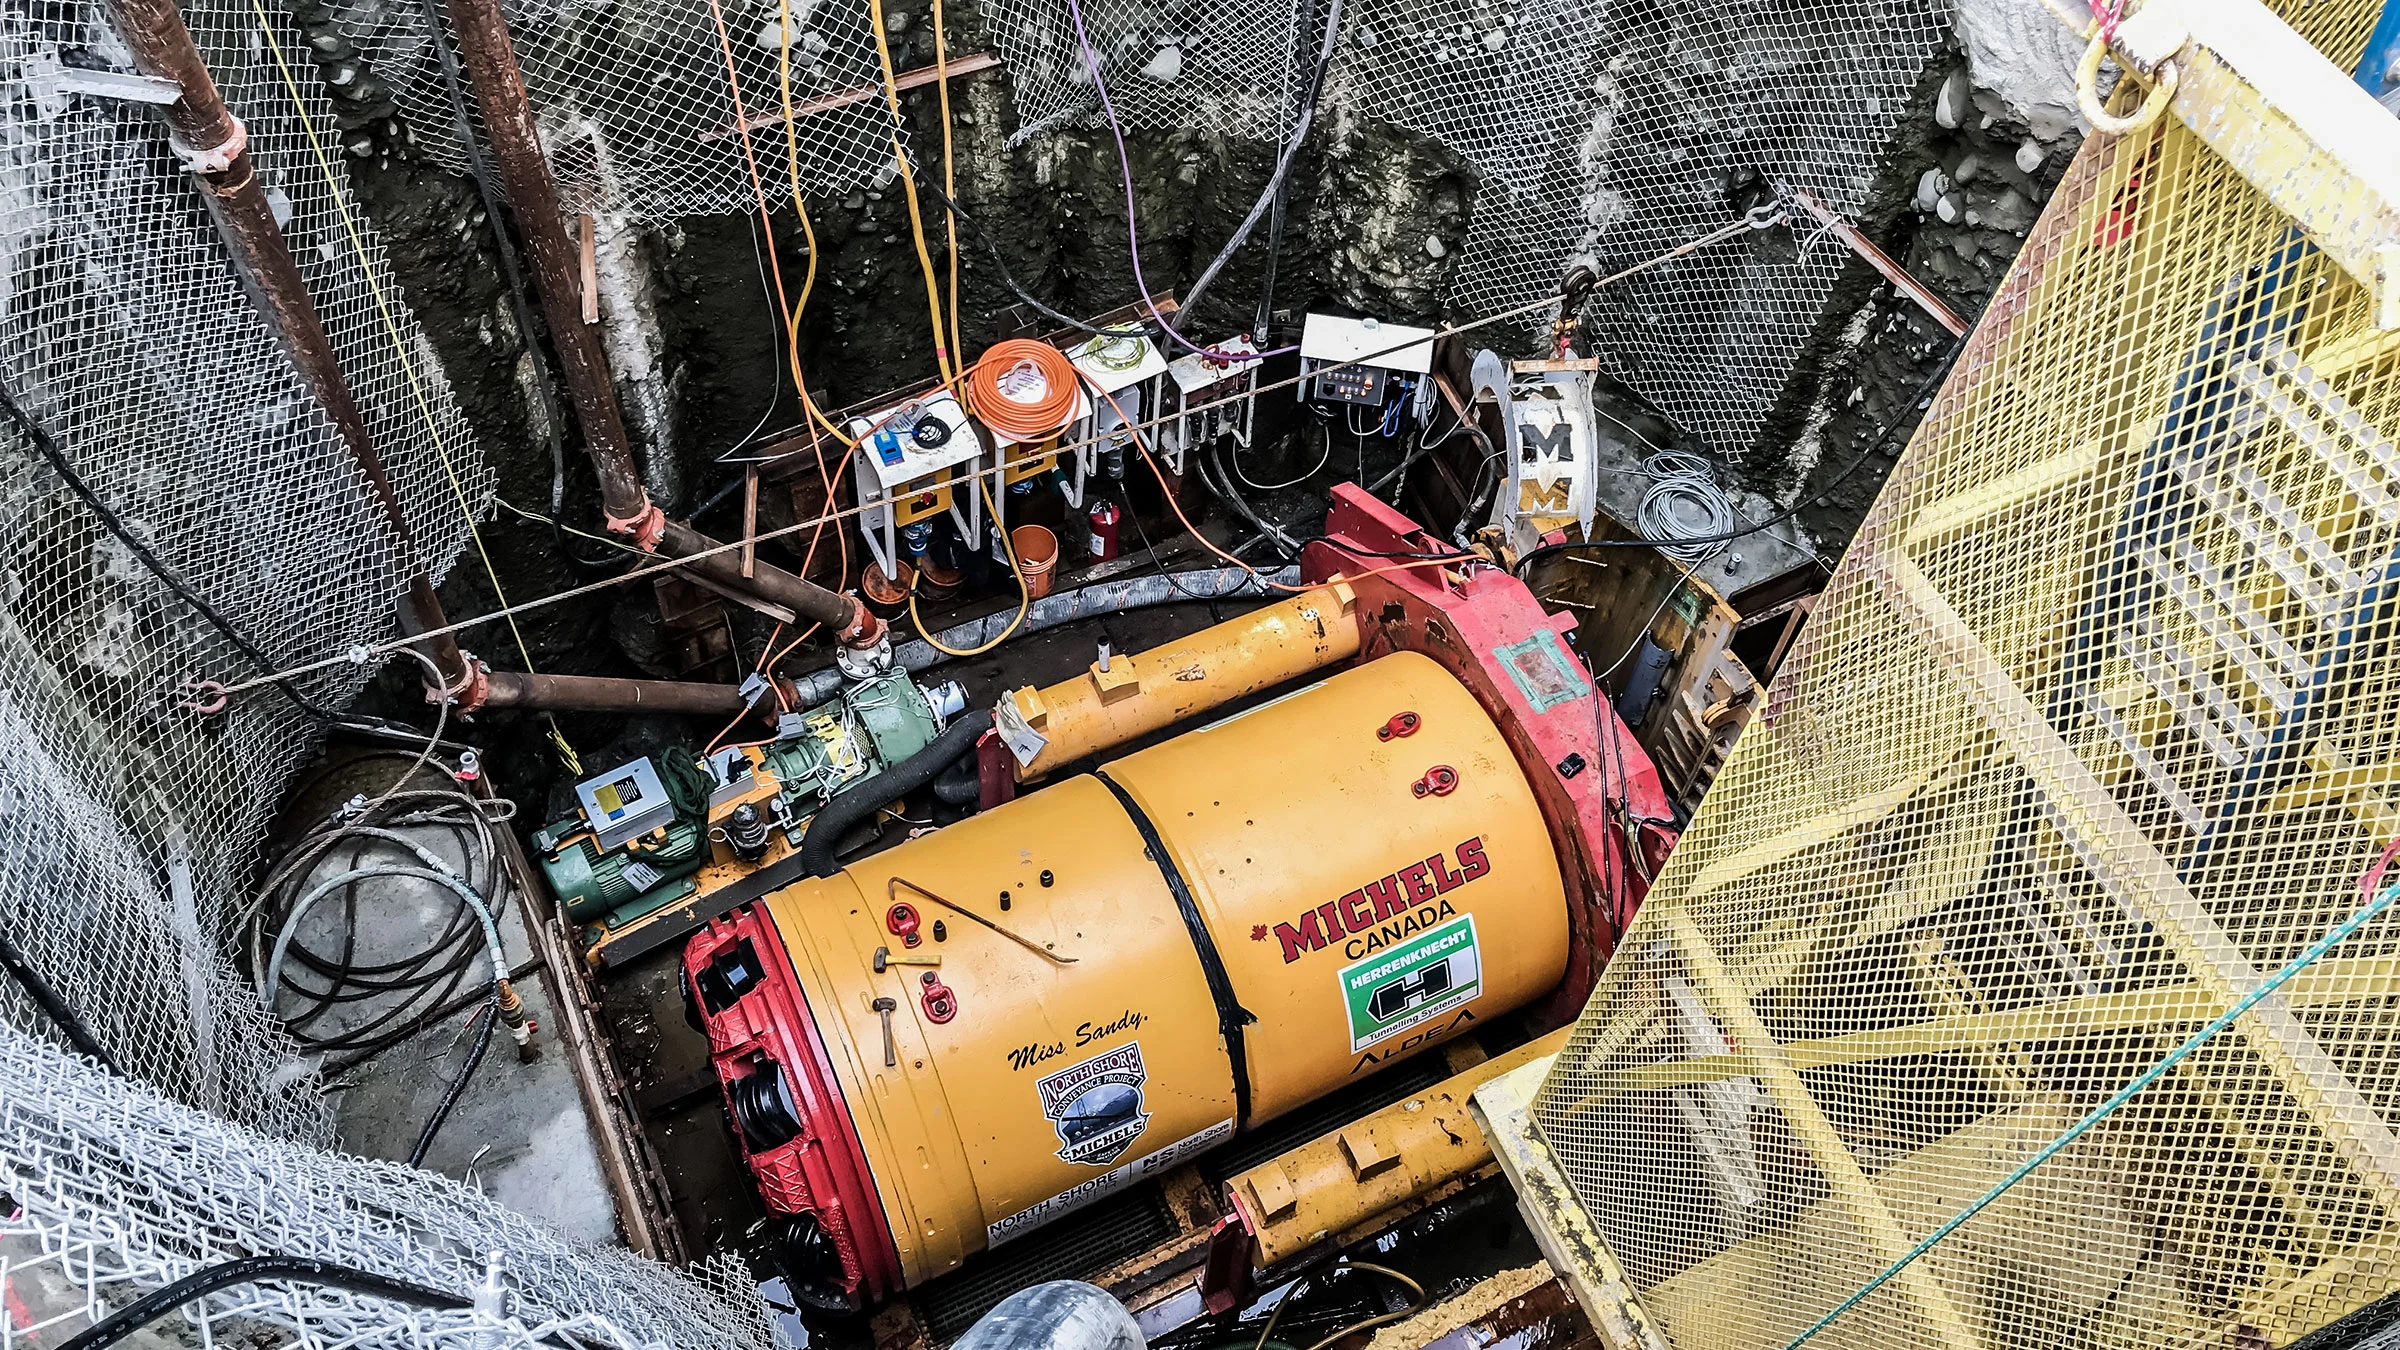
(902, 920)
(941, 1002)
(1439, 781)
(1402, 724)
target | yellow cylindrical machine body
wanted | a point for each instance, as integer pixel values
(1301, 865)
(1147, 691)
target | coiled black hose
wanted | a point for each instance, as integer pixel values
(826, 828)
(382, 1003)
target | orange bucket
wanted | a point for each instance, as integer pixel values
(1037, 557)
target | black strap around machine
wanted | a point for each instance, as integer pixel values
(1231, 1015)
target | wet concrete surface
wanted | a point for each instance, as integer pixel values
(518, 1129)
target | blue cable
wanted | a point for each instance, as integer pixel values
(2125, 1094)
(1392, 411)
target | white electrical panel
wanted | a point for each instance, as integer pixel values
(897, 458)
(1329, 339)
(916, 460)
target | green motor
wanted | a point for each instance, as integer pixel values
(644, 828)
(592, 882)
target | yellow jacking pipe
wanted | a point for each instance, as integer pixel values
(1334, 1186)
(1149, 691)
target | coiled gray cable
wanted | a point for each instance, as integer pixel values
(1683, 502)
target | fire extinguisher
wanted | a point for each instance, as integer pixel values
(1105, 517)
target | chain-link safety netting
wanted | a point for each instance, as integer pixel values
(638, 110)
(1613, 133)
(1609, 134)
(2092, 733)
(1233, 67)
(128, 825)
(108, 1192)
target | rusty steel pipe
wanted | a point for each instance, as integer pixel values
(213, 144)
(584, 693)
(842, 614)
(491, 64)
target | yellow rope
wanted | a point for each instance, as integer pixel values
(408, 366)
(941, 80)
(908, 188)
(1024, 588)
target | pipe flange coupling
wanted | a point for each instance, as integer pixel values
(217, 158)
(473, 690)
(865, 663)
(865, 632)
(646, 526)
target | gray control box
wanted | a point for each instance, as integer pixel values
(625, 803)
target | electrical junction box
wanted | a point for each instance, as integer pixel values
(625, 803)
(1124, 365)
(1352, 384)
(1221, 370)
(912, 463)
(1226, 374)
(1364, 354)
(896, 458)
(1118, 361)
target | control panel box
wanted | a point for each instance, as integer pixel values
(1352, 384)
(917, 440)
(1345, 360)
(914, 462)
(624, 803)
(1210, 395)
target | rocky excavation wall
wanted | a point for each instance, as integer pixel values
(1378, 218)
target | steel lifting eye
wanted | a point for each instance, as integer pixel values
(1439, 781)
(1402, 724)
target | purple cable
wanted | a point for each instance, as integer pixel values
(1133, 235)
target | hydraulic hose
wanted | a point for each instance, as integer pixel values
(485, 1018)
(441, 877)
(826, 828)
(1064, 607)
(191, 1288)
(958, 785)
(54, 1005)
(1283, 166)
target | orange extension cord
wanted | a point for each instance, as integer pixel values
(1023, 389)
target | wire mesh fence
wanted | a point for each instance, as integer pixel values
(108, 1192)
(2089, 735)
(1235, 68)
(1603, 133)
(1610, 134)
(128, 826)
(662, 108)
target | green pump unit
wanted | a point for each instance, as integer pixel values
(645, 831)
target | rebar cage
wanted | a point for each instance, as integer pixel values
(2093, 729)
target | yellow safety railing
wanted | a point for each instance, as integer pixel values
(2097, 726)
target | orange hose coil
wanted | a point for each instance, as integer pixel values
(1023, 389)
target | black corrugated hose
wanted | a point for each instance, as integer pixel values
(826, 828)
